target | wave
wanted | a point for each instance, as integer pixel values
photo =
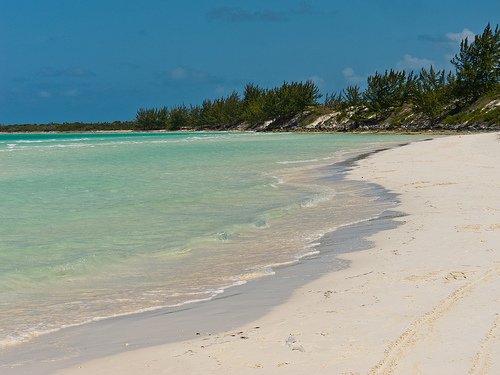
(313, 202)
(25, 335)
(277, 181)
(297, 161)
(90, 140)
(100, 142)
(34, 141)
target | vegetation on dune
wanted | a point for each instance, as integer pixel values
(430, 98)
(477, 65)
(393, 100)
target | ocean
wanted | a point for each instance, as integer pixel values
(94, 226)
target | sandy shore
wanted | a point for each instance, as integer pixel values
(424, 299)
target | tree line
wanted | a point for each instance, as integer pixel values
(80, 127)
(256, 106)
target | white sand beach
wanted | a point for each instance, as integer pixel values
(424, 299)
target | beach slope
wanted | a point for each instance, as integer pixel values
(423, 299)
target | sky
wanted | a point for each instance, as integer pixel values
(102, 60)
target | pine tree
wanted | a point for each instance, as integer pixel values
(252, 104)
(384, 92)
(478, 65)
(353, 101)
(293, 98)
(152, 119)
(179, 117)
(333, 99)
(431, 93)
(195, 116)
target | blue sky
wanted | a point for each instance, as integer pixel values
(101, 60)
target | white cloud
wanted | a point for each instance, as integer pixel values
(178, 74)
(44, 94)
(232, 14)
(74, 92)
(458, 37)
(78, 72)
(351, 76)
(413, 63)
(66, 72)
(221, 90)
(317, 80)
(189, 75)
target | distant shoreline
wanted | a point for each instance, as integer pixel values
(430, 132)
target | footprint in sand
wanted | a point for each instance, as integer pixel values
(474, 228)
(456, 275)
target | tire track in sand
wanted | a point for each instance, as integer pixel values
(395, 349)
(483, 359)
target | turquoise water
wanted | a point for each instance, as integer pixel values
(99, 225)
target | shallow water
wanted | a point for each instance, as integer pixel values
(100, 225)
